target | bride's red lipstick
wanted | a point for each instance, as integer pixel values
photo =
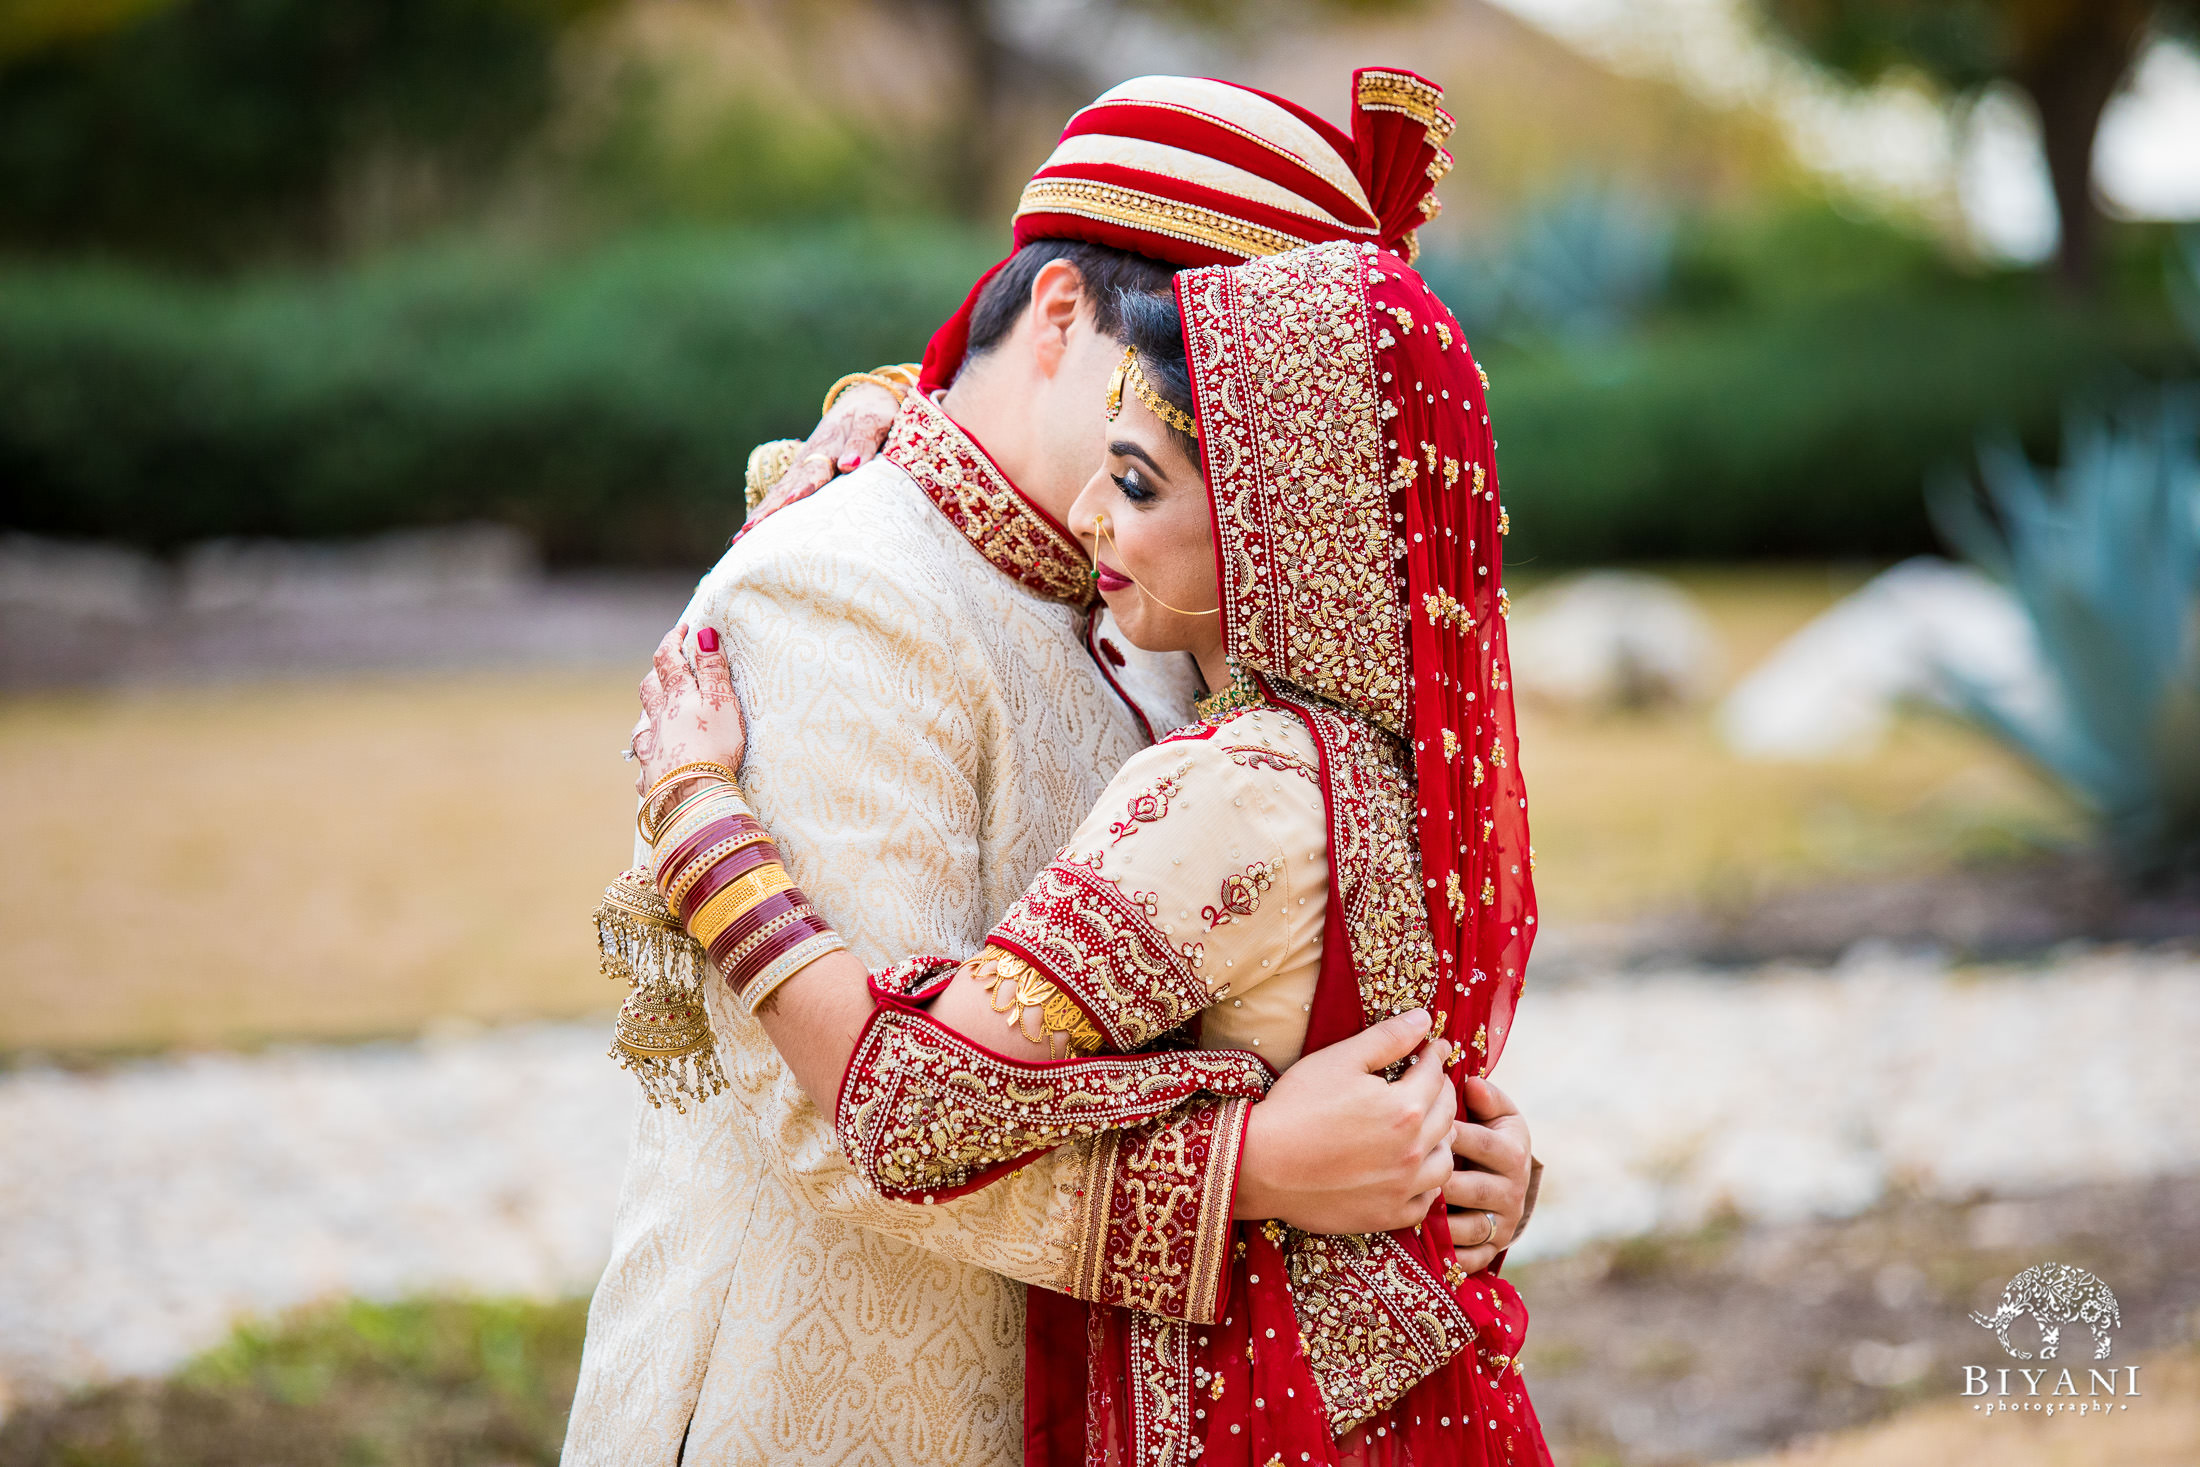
(1109, 578)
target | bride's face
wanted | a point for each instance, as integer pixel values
(1144, 518)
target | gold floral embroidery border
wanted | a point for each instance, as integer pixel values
(925, 1111)
(1104, 947)
(992, 514)
(1298, 466)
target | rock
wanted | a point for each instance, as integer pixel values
(1613, 639)
(1915, 634)
(77, 580)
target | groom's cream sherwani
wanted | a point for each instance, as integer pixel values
(929, 722)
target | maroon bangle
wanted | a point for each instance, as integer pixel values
(729, 869)
(806, 926)
(725, 828)
(778, 904)
(703, 838)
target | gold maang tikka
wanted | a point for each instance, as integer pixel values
(1127, 372)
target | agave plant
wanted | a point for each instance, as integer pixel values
(2104, 557)
(1581, 264)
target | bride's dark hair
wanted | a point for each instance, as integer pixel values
(1150, 321)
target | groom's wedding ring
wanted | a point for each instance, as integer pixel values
(1492, 1233)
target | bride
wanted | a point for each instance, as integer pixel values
(1299, 493)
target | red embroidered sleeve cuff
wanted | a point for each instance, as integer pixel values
(925, 1114)
(1154, 1228)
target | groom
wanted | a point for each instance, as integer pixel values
(936, 711)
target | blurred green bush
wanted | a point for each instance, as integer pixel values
(1787, 394)
(1801, 379)
(214, 130)
(606, 403)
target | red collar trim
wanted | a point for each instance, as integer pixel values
(1021, 540)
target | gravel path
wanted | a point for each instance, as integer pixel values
(1659, 1099)
(145, 1208)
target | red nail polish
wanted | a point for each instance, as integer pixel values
(707, 639)
(850, 461)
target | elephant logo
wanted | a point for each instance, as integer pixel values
(2054, 1294)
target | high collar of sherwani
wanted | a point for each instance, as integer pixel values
(1021, 540)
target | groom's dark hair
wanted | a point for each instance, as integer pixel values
(1107, 272)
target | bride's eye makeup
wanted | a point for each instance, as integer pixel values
(1132, 481)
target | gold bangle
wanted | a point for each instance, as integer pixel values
(877, 378)
(645, 819)
(728, 903)
(702, 766)
(712, 800)
(768, 464)
(715, 803)
(701, 866)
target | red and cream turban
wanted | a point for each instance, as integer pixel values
(1193, 171)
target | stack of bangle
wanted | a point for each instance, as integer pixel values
(897, 379)
(725, 882)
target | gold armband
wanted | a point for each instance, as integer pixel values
(1030, 999)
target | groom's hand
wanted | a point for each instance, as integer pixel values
(1335, 1148)
(1489, 1193)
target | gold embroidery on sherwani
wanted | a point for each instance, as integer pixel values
(978, 500)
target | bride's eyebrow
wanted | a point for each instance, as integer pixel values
(1124, 448)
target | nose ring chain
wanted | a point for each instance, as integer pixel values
(1100, 530)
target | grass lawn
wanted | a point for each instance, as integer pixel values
(427, 1383)
(1634, 812)
(223, 866)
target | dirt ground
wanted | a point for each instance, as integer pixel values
(384, 845)
(2163, 1430)
(1738, 1341)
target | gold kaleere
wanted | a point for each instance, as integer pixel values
(663, 1030)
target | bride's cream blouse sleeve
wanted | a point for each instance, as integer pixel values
(1195, 889)
(1187, 907)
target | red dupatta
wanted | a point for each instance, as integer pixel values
(1358, 534)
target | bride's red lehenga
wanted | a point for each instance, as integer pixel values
(1347, 449)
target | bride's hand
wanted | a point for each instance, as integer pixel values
(845, 439)
(689, 712)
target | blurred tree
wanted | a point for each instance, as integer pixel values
(996, 65)
(206, 129)
(2068, 56)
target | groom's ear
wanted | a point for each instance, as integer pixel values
(1057, 296)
